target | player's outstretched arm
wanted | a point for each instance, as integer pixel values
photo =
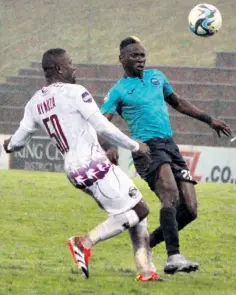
(110, 132)
(23, 134)
(185, 107)
(106, 145)
(111, 149)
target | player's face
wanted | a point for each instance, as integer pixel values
(133, 59)
(67, 69)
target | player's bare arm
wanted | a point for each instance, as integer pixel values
(185, 107)
(110, 132)
(109, 116)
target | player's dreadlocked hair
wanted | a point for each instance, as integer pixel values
(129, 40)
(49, 61)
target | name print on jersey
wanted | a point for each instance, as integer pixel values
(46, 106)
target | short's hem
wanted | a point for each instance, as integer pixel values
(194, 182)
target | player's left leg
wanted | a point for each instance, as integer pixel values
(142, 252)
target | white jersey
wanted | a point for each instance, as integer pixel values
(71, 118)
(62, 110)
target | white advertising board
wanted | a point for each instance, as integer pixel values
(4, 157)
(207, 164)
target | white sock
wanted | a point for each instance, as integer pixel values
(113, 226)
(142, 251)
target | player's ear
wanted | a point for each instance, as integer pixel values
(58, 69)
(120, 58)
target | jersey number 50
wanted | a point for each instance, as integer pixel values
(54, 130)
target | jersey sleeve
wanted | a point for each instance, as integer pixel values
(111, 102)
(25, 131)
(167, 88)
(28, 123)
(85, 103)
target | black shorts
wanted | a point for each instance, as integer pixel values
(163, 150)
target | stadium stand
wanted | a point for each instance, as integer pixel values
(212, 89)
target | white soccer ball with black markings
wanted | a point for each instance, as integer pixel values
(205, 20)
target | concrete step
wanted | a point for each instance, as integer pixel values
(190, 138)
(11, 113)
(9, 127)
(179, 122)
(226, 59)
(13, 97)
(101, 87)
(173, 73)
(206, 139)
(223, 108)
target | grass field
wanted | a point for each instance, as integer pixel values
(91, 31)
(39, 211)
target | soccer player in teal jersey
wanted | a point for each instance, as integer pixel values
(140, 97)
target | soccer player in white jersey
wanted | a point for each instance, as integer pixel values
(71, 118)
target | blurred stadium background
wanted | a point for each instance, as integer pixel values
(91, 32)
(202, 70)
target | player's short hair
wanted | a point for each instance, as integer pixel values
(129, 40)
(49, 60)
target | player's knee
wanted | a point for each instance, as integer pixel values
(141, 210)
(194, 211)
(168, 194)
(192, 207)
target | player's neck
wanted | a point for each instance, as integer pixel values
(53, 80)
(132, 74)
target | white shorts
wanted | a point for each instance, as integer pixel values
(115, 192)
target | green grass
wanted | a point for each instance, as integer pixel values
(39, 211)
(28, 28)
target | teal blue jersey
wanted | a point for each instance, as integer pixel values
(141, 103)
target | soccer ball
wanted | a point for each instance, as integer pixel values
(204, 20)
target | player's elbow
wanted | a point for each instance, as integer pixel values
(109, 116)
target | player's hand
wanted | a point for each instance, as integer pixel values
(5, 145)
(113, 155)
(220, 126)
(143, 148)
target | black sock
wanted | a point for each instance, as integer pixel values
(170, 230)
(183, 217)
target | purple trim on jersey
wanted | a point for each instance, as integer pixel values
(85, 177)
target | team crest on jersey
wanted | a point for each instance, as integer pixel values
(86, 97)
(155, 81)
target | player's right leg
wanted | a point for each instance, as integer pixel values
(80, 247)
(146, 270)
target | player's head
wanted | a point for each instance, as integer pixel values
(132, 56)
(57, 65)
